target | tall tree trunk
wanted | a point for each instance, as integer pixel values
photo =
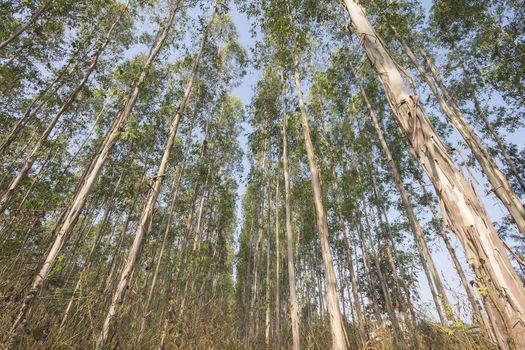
(294, 315)
(267, 320)
(89, 258)
(361, 332)
(500, 185)
(371, 279)
(332, 298)
(277, 264)
(254, 317)
(477, 311)
(463, 209)
(43, 8)
(479, 110)
(175, 188)
(74, 209)
(419, 238)
(147, 213)
(198, 230)
(30, 159)
(399, 339)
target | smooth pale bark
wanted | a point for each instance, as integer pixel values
(70, 217)
(89, 258)
(371, 279)
(254, 319)
(500, 185)
(294, 315)
(332, 298)
(30, 159)
(43, 8)
(399, 339)
(424, 252)
(146, 218)
(277, 265)
(404, 301)
(175, 187)
(343, 229)
(477, 311)
(267, 319)
(202, 203)
(267, 322)
(462, 208)
(116, 251)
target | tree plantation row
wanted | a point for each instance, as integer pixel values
(366, 194)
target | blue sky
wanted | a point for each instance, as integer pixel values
(496, 210)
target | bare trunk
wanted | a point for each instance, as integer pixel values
(399, 339)
(500, 185)
(89, 259)
(361, 334)
(28, 163)
(175, 187)
(145, 222)
(277, 265)
(462, 208)
(332, 298)
(419, 238)
(43, 8)
(254, 317)
(267, 320)
(289, 231)
(76, 206)
(477, 311)
(371, 280)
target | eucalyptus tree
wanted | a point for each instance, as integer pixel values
(289, 229)
(70, 99)
(71, 215)
(17, 31)
(501, 186)
(463, 208)
(288, 51)
(156, 183)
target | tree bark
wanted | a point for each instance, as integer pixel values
(500, 185)
(462, 208)
(332, 298)
(477, 311)
(144, 226)
(399, 339)
(76, 206)
(89, 258)
(277, 265)
(43, 8)
(419, 239)
(175, 187)
(289, 230)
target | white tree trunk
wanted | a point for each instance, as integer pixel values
(462, 208)
(294, 315)
(145, 221)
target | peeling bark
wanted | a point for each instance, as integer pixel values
(462, 208)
